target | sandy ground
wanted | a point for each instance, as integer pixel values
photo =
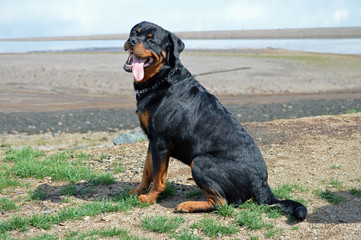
(62, 81)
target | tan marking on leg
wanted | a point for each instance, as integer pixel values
(147, 176)
(214, 200)
(159, 182)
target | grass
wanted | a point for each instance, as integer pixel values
(118, 167)
(214, 229)
(8, 180)
(185, 235)
(194, 193)
(69, 190)
(336, 184)
(353, 110)
(225, 210)
(93, 234)
(6, 205)
(60, 166)
(92, 209)
(169, 191)
(329, 196)
(356, 192)
(284, 191)
(250, 219)
(66, 166)
(37, 194)
(162, 224)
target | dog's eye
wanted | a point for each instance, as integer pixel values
(151, 41)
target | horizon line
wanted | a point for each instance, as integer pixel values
(281, 33)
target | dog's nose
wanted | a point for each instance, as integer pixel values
(132, 41)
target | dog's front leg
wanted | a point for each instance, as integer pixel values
(147, 176)
(159, 166)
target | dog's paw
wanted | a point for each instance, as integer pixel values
(147, 198)
(186, 207)
(195, 206)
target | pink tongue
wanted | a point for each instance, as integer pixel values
(138, 68)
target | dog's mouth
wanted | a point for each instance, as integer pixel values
(136, 65)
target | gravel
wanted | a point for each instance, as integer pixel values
(113, 120)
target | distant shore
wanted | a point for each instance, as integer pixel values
(290, 33)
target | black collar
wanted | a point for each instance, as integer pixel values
(142, 92)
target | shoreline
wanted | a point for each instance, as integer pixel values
(291, 33)
(70, 92)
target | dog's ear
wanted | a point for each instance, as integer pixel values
(176, 47)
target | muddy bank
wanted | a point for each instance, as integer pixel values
(85, 120)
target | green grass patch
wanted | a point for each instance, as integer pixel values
(335, 167)
(69, 190)
(273, 232)
(271, 212)
(37, 194)
(103, 179)
(14, 155)
(225, 210)
(336, 184)
(250, 219)
(356, 192)
(352, 111)
(185, 235)
(194, 193)
(169, 191)
(45, 221)
(213, 229)
(328, 196)
(284, 191)
(118, 167)
(103, 156)
(8, 180)
(94, 234)
(162, 224)
(6, 204)
(60, 166)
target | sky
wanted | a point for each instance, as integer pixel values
(42, 18)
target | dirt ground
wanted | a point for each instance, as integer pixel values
(311, 152)
(62, 81)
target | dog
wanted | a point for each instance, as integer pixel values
(184, 121)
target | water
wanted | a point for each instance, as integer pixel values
(341, 46)
(45, 46)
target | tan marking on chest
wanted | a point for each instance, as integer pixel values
(144, 119)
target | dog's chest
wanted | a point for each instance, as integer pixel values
(144, 120)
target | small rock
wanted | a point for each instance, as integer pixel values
(87, 218)
(129, 138)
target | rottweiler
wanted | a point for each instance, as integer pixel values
(184, 121)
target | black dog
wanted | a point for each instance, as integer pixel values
(184, 121)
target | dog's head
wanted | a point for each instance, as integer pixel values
(151, 48)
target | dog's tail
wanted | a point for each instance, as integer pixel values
(290, 207)
(293, 208)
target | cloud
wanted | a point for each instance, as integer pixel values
(240, 11)
(340, 15)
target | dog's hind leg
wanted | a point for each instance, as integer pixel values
(214, 200)
(214, 197)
